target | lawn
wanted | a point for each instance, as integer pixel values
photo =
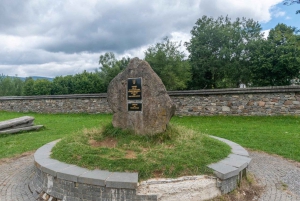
(56, 126)
(272, 134)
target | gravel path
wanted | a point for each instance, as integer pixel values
(280, 177)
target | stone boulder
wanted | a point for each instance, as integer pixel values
(139, 100)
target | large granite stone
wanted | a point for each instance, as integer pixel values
(139, 100)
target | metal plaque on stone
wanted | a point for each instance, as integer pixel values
(134, 94)
(134, 89)
(134, 106)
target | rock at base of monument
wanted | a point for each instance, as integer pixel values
(139, 100)
(16, 123)
(17, 130)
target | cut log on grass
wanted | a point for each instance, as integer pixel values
(16, 123)
(17, 130)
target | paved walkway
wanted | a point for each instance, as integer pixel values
(280, 177)
(14, 178)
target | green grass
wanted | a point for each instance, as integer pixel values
(56, 126)
(272, 134)
(177, 152)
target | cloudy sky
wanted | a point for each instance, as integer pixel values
(63, 37)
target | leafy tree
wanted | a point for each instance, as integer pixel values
(168, 62)
(62, 85)
(219, 51)
(290, 2)
(86, 83)
(28, 87)
(42, 87)
(277, 59)
(10, 86)
(110, 67)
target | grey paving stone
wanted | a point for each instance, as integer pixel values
(224, 171)
(239, 151)
(43, 162)
(44, 150)
(122, 180)
(236, 160)
(94, 177)
(52, 169)
(71, 173)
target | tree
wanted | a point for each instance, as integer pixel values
(277, 59)
(87, 83)
(10, 86)
(42, 87)
(219, 51)
(63, 85)
(168, 62)
(110, 67)
(28, 87)
(290, 2)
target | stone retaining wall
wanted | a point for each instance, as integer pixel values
(236, 101)
(62, 181)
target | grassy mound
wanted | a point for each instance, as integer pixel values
(176, 152)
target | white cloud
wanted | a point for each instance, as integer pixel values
(266, 33)
(279, 14)
(51, 38)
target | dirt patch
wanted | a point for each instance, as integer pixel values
(130, 154)
(249, 190)
(158, 174)
(108, 143)
(8, 160)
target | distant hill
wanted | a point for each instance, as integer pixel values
(36, 78)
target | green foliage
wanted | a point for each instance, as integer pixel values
(276, 61)
(168, 62)
(11, 86)
(87, 83)
(42, 87)
(110, 67)
(219, 51)
(28, 87)
(62, 85)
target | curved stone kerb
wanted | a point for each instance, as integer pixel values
(234, 163)
(74, 173)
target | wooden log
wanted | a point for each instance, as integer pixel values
(16, 130)
(16, 123)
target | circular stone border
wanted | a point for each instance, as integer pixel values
(69, 182)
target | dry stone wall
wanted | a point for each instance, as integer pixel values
(243, 102)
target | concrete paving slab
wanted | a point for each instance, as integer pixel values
(52, 169)
(224, 171)
(94, 177)
(71, 173)
(45, 161)
(236, 160)
(122, 180)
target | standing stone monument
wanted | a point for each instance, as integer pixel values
(139, 100)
